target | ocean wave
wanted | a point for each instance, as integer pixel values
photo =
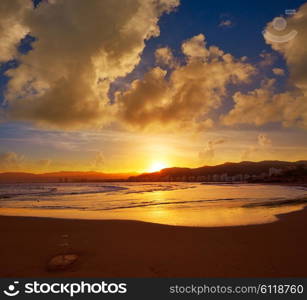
(275, 203)
(103, 197)
(53, 191)
(22, 191)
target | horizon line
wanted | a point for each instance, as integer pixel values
(139, 173)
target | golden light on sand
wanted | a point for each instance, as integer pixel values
(157, 166)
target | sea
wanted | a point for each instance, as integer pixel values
(174, 203)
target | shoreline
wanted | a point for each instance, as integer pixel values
(119, 248)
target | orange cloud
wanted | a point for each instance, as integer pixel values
(164, 56)
(12, 27)
(10, 161)
(264, 105)
(191, 92)
(81, 48)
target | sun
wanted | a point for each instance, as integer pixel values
(157, 166)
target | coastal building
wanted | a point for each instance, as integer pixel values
(275, 171)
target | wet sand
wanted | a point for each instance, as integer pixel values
(107, 248)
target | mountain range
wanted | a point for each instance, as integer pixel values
(13, 177)
(231, 169)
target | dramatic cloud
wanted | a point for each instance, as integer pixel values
(264, 105)
(81, 47)
(191, 92)
(12, 29)
(293, 49)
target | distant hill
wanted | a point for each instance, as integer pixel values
(64, 176)
(175, 174)
(231, 169)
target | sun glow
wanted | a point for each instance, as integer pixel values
(156, 166)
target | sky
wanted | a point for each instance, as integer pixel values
(135, 86)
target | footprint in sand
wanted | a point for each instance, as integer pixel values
(62, 262)
(65, 240)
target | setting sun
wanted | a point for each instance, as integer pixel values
(157, 166)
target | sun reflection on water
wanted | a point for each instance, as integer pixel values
(185, 205)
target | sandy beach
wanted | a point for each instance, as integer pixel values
(136, 249)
